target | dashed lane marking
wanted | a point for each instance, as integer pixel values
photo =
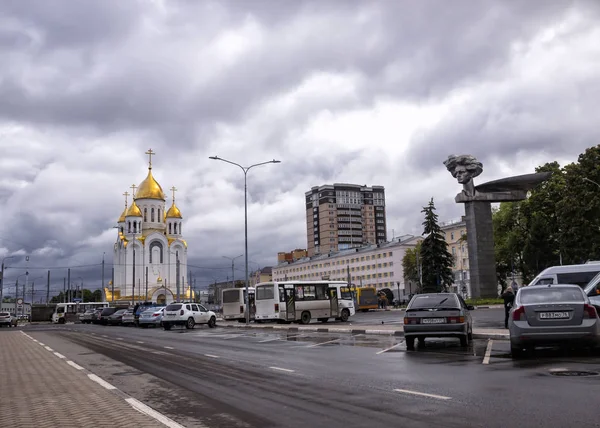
(101, 381)
(282, 369)
(49, 348)
(59, 355)
(139, 341)
(488, 352)
(211, 356)
(281, 338)
(74, 365)
(423, 394)
(323, 343)
(169, 347)
(141, 407)
(390, 348)
(119, 338)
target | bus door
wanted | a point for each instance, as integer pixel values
(333, 302)
(290, 303)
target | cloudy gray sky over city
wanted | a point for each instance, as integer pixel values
(340, 91)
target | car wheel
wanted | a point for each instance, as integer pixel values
(345, 315)
(516, 352)
(464, 341)
(166, 326)
(61, 320)
(305, 318)
(410, 343)
(212, 322)
(421, 340)
(190, 323)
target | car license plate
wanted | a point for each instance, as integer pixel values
(554, 315)
(433, 320)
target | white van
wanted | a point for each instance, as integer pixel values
(569, 274)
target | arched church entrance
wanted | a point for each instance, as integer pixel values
(161, 299)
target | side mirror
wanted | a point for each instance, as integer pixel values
(470, 307)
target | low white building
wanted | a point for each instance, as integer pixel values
(373, 265)
(24, 309)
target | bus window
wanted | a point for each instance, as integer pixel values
(281, 294)
(60, 310)
(578, 278)
(231, 296)
(265, 292)
(346, 294)
(321, 292)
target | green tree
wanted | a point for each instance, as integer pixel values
(436, 260)
(58, 299)
(410, 266)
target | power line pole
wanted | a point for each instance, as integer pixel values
(48, 288)
(133, 280)
(32, 292)
(177, 275)
(103, 271)
(64, 290)
(69, 283)
(146, 282)
(112, 284)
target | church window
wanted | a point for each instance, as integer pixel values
(140, 226)
(152, 214)
(156, 252)
(158, 216)
(180, 228)
(128, 227)
(169, 227)
(145, 214)
(135, 227)
(175, 228)
(122, 229)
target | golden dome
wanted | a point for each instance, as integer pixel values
(122, 218)
(133, 211)
(150, 189)
(173, 212)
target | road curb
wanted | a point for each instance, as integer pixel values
(348, 330)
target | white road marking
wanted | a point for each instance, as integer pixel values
(101, 381)
(142, 408)
(139, 341)
(72, 364)
(391, 347)
(41, 344)
(556, 370)
(119, 338)
(283, 370)
(104, 335)
(49, 348)
(281, 338)
(169, 347)
(160, 353)
(235, 336)
(423, 394)
(59, 355)
(323, 343)
(488, 352)
(211, 356)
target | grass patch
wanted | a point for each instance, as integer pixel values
(480, 302)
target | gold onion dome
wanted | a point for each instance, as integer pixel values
(122, 218)
(134, 211)
(173, 212)
(150, 189)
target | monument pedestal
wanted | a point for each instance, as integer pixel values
(482, 259)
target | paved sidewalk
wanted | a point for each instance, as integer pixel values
(39, 390)
(385, 330)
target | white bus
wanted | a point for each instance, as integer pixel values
(64, 311)
(234, 303)
(301, 301)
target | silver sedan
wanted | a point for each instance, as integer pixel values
(552, 315)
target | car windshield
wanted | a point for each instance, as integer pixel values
(550, 295)
(120, 312)
(430, 301)
(4, 314)
(174, 307)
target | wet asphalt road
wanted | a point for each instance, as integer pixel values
(225, 378)
(483, 318)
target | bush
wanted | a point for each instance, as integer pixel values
(479, 302)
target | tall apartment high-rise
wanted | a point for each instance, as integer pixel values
(342, 216)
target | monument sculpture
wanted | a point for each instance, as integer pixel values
(478, 215)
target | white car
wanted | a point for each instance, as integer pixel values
(187, 314)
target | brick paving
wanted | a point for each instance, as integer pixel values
(41, 390)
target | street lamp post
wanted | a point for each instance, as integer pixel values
(232, 268)
(245, 170)
(2, 278)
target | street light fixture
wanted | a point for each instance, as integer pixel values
(245, 169)
(232, 268)
(591, 181)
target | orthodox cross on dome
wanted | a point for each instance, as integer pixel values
(173, 189)
(126, 194)
(133, 187)
(150, 153)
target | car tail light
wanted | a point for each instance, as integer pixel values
(519, 314)
(181, 312)
(455, 320)
(408, 320)
(241, 309)
(276, 307)
(155, 315)
(589, 311)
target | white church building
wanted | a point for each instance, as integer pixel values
(150, 253)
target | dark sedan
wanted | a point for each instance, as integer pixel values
(117, 317)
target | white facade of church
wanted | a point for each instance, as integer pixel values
(148, 247)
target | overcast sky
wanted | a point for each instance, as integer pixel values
(375, 93)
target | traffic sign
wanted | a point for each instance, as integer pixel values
(77, 300)
(19, 301)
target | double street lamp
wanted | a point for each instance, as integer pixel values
(232, 268)
(245, 169)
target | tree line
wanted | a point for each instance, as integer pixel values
(558, 223)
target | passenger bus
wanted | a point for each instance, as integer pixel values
(69, 311)
(301, 301)
(234, 303)
(365, 298)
